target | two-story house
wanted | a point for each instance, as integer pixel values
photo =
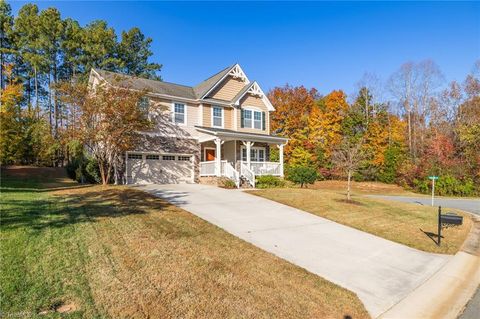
(219, 127)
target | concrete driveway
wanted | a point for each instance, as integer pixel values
(379, 271)
(468, 205)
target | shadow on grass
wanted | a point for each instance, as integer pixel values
(41, 190)
(351, 202)
(81, 206)
(432, 236)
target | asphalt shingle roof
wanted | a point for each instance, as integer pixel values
(153, 86)
(206, 85)
(161, 87)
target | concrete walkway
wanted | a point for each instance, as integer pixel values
(379, 271)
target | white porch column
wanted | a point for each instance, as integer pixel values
(280, 153)
(218, 156)
(249, 147)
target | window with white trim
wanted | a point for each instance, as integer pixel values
(179, 115)
(217, 116)
(153, 157)
(134, 156)
(252, 119)
(168, 158)
(247, 118)
(257, 154)
(257, 120)
(184, 158)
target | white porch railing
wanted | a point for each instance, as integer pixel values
(230, 172)
(265, 168)
(208, 168)
(247, 173)
(255, 169)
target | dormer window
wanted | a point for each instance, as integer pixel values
(217, 116)
(179, 113)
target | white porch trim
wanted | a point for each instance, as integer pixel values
(218, 156)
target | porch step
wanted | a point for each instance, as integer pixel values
(244, 183)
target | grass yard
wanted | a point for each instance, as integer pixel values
(370, 188)
(408, 224)
(96, 252)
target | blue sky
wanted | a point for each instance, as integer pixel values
(326, 45)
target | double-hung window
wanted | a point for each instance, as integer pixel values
(247, 118)
(217, 116)
(253, 119)
(179, 113)
(257, 120)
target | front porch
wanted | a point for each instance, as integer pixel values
(240, 155)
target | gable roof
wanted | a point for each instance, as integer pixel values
(196, 93)
(254, 89)
(136, 83)
(202, 88)
(242, 92)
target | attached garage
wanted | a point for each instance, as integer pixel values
(158, 168)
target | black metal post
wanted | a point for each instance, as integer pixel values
(439, 225)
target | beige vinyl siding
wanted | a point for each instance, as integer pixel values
(227, 113)
(207, 115)
(228, 121)
(162, 110)
(255, 103)
(228, 89)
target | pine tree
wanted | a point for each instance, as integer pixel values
(6, 24)
(134, 51)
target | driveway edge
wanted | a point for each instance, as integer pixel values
(447, 292)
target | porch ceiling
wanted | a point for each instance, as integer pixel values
(230, 135)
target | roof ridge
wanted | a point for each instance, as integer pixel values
(140, 78)
(223, 70)
(203, 87)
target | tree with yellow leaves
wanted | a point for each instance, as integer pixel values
(10, 118)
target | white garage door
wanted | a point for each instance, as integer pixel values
(157, 168)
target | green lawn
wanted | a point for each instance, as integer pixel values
(408, 224)
(97, 252)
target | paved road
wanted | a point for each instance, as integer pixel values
(379, 271)
(473, 307)
(469, 205)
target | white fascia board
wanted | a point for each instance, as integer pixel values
(223, 78)
(265, 99)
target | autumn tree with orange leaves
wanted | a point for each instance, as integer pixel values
(293, 106)
(105, 120)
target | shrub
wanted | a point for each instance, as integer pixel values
(71, 169)
(302, 175)
(92, 172)
(82, 169)
(269, 181)
(446, 185)
(225, 182)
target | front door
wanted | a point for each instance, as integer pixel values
(209, 154)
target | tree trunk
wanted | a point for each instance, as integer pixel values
(37, 109)
(102, 174)
(55, 106)
(115, 173)
(50, 105)
(409, 120)
(348, 184)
